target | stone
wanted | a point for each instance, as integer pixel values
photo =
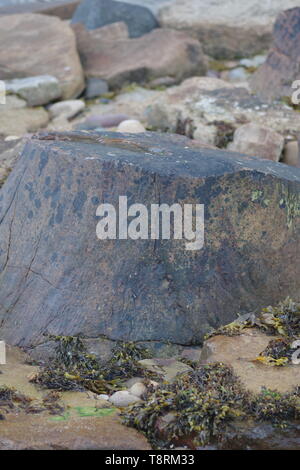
(192, 354)
(219, 104)
(162, 82)
(105, 120)
(158, 53)
(132, 126)
(95, 87)
(261, 436)
(36, 91)
(97, 13)
(123, 398)
(167, 368)
(132, 381)
(64, 9)
(90, 39)
(39, 432)
(22, 34)
(255, 61)
(10, 151)
(258, 141)
(226, 29)
(60, 123)
(103, 396)
(291, 154)
(235, 75)
(14, 102)
(154, 5)
(138, 389)
(207, 134)
(22, 120)
(67, 109)
(240, 353)
(273, 79)
(141, 290)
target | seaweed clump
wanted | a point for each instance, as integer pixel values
(12, 400)
(199, 406)
(73, 368)
(282, 320)
(279, 352)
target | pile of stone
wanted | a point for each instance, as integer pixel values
(137, 65)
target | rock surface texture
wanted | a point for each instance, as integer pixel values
(96, 13)
(57, 277)
(275, 77)
(109, 54)
(25, 50)
(229, 28)
(36, 91)
(258, 141)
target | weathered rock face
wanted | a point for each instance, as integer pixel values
(220, 106)
(258, 141)
(36, 91)
(57, 277)
(96, 13)
(25, 50)
(19, 120)
(108, 54)
(64, 9)
(227, 29)
(275, 77)
(9, 153)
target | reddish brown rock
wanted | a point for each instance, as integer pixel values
(25, 50)
(106, 53)
(64, 9)
(20, 432)
(257, 141)
(273, 80)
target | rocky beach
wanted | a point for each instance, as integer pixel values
(178, 332)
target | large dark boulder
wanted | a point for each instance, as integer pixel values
(97, 13)
(273, 79)
(57, 277)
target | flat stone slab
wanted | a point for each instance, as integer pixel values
(57, 277)
(241, 351)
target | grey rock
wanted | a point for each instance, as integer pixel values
(37, 90)
(253, 61)
(97, 13)
(123, 398)
(95, 87)
(141, 290)
(68, 108)
(138, 389)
